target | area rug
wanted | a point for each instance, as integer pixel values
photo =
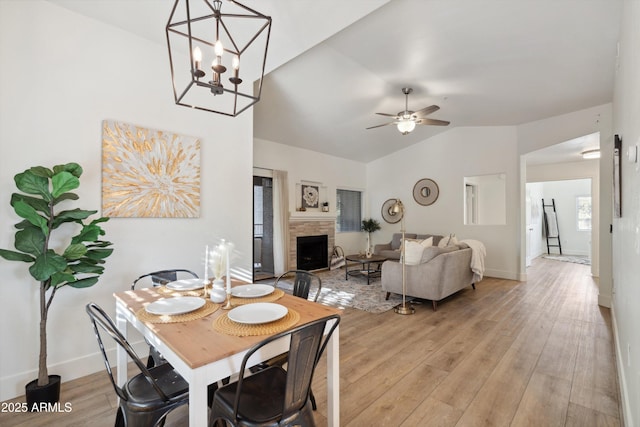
(569, 258)
(354, 293)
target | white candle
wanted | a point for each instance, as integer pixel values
(228, 275)
(206, 264)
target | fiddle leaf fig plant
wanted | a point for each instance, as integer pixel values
(74, 257)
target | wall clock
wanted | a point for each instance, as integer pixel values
(426, 192)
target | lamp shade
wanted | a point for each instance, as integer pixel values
(406, 125)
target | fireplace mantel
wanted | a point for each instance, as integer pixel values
(311, 216)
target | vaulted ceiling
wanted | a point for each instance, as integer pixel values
(333, 64)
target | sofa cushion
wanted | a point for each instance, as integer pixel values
(433, 251)
(397, 237)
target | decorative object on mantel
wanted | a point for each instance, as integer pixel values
(310, 196)
(426, 192)
(149, 173)
(369, 226)
(387, 214)
(77, 263)
(404, 308)
(325, 206)
(216, 41)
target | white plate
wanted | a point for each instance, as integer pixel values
(186, 284)
(251, 291)
(259, 312)
(171, 306)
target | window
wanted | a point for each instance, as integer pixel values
(349, 210)
(583, 211)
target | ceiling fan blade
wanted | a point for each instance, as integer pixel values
(433, 122)
(378, 126)
(426, 111)
(395, 116)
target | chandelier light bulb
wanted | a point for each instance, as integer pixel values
(218, 48)
(197, 55)
(236, 62)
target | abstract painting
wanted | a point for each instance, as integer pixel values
(149, 173)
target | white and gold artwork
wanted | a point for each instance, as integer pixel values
(149, 173)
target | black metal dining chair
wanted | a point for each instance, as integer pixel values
(302, 281)
(146, 398)
(162, 277)
(159, 278)
(275, 396)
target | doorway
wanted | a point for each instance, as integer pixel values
(262, 228)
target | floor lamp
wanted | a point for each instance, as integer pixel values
(398, 209)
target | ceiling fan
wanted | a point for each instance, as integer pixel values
(407, 120)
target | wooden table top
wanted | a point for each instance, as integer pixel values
(196, 341)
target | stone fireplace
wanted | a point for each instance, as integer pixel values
(310, 227)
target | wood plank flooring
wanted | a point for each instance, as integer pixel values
(535, 353)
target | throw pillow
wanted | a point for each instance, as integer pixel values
(427, 242)
(449, 240)
(412, 252)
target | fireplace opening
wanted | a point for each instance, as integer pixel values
(312, 252)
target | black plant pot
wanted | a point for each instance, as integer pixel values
(49, 393)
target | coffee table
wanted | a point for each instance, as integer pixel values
(364, 265)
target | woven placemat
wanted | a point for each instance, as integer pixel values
(227, 326)
(273, 296)
(208, 308)
(164, 291)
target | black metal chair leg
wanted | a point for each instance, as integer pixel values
(313, 400)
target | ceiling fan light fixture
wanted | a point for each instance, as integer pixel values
(405, 126)
(591, 154)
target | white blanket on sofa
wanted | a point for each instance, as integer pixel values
(478, 252)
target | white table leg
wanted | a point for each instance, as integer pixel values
(333, 379)
(121, 355)
(198, 414)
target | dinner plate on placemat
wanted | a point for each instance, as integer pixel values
(251, 291)
(171, 306)
(186, 284)
(259, 312)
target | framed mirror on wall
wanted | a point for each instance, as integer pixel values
(485, 200)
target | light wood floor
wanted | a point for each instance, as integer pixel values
(535, 353)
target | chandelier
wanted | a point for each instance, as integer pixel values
(217, 58)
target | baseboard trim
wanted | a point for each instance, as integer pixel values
(627, 416)
(12, 386)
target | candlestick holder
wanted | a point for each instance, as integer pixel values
(228, 305)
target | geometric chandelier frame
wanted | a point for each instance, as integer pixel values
(217, 57)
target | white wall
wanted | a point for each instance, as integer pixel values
(626, 230)
(533, 221)
(447, 158)
(564, 193)
(332, 172)
(57, 84)
(588, 169)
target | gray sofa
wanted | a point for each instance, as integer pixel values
(441, 272)
(391, 250)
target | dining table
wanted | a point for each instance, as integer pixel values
(208, 348)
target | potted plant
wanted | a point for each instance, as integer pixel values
(77, 262)
(370, 225)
